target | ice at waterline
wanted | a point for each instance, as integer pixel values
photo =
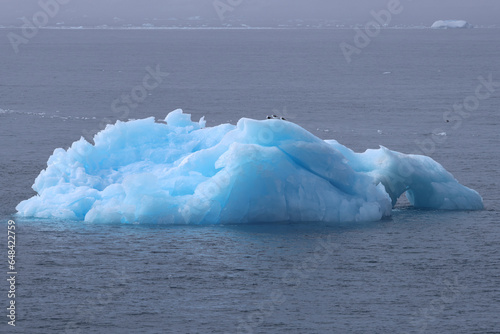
(270, 170)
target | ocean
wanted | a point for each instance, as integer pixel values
(410, 90)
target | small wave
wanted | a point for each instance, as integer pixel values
(42, 114)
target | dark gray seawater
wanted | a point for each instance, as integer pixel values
(417, 272)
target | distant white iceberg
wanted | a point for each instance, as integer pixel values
(271, 170)
(451, 24)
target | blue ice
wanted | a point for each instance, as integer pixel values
(183, 172)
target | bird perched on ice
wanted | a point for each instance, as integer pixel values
(276, 117)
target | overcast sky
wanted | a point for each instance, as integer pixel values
(477, 12)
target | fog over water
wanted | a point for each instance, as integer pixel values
(256, 12)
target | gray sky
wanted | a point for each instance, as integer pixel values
(477, 12)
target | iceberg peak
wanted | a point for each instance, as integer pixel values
(178, 119)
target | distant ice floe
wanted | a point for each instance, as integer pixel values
(177, 171)
(195, 23)
(451, 24)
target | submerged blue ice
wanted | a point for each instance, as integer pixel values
(272, 170)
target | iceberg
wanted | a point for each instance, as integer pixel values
(177, 171)
(450, 24)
